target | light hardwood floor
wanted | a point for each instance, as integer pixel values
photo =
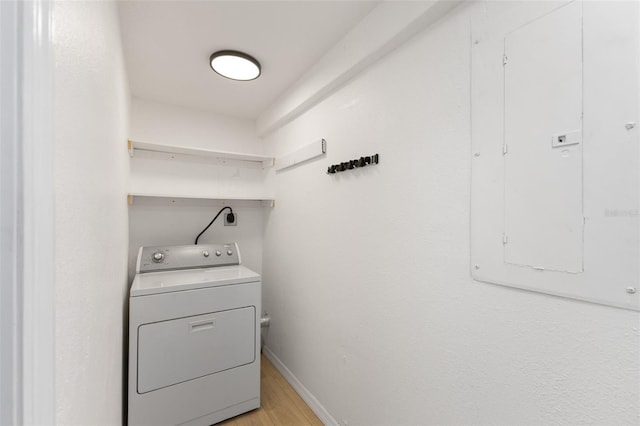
(279, 403)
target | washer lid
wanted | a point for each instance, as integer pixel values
(189, 279)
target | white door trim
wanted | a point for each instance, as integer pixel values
(10, 231)
(27, 213)
(39, 225)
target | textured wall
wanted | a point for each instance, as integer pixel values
(366, 273)
(91, 114)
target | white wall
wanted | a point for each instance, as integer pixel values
(91, 123)
(174, 125)
(366, 273)
(167, 221)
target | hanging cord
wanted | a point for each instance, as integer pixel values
(211, 223)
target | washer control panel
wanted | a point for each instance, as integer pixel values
(167, 258)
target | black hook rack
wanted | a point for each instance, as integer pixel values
(348, 165)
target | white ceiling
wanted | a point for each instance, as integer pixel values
(167, 45)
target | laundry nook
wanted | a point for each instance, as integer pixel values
(320, 212)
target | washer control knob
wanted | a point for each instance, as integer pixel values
(229, 252)
(205, 253)
(218, 253)
(157, 257)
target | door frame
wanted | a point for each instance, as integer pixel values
(27, 226)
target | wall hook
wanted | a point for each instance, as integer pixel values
(352, 164)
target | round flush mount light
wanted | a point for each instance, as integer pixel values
(235, 65)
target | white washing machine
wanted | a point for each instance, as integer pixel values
(194, 336)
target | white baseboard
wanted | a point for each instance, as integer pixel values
(304, 393)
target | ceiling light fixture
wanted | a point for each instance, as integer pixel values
(235, 65)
